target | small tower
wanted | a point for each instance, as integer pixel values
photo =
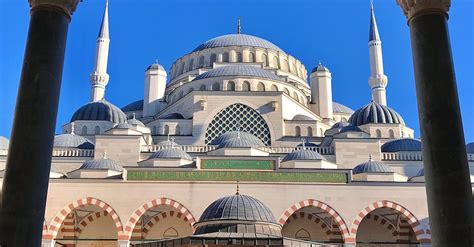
(99, 78)
(155, 86)
(321, 91)
(377, 80)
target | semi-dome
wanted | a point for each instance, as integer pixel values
(100, 111)
(470, 148)
(303, 154)
(375, 113)
(134, 106)
(238, 70)
(237, 207)
(102, 164)
(238, 142)
(340, 108)
(400, 145)
(72, 141)
(371, 166)
(300, 117)
(4, 142)
(170, 153)
(235, 134)
(237, 40)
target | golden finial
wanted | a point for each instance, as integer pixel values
(238, 25)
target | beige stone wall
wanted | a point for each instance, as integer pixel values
(123, 149)
(351, 152)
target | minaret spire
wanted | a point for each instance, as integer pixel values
(377, 80)
(99, 77)
(238, 25)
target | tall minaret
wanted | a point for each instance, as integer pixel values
(377, 80)
(99, 78)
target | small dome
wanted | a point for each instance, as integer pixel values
(170, 153)
(234, 134)
(340, 108)
(470, 148)
(375, 113)
(100, 111)
(123, 126)
(4, 142)
(72, 141)
(303, 154)
(237, 40)
(300, 117)
(320, 67)
(102, 164)
(400, 145)
(155, 66)
(238, 70)
(371, 166)
(237, 207)
(237, 143)
(134, 106)
(172, 116)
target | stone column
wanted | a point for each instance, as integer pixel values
(448, 185)
(25, 184)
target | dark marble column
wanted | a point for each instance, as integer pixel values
(447, 174)
(25, 184)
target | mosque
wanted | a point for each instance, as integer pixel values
(234, 146)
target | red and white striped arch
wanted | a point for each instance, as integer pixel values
(420, 233)
(186, 214)
(341, 224)
(57, 220)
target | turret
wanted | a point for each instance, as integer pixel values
(155, 86)
(321, 91)
(99, 78)
(377, 80)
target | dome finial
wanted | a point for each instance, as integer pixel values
(238, 129)
(104, 156)
(172, 141)
(133, 116)
(73, 128)
(370, 157)
(303, 143)
(238, 189)
(238, 25)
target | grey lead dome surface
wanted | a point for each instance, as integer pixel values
(399, 145)
(100, 110)
(237, 40)
(371, 166)
(375, 113)
(4, 142)
(303, 154)
(170, 153)
(237, 207)
(72, 141)
(102, 164)
(340, 108)
(238, 70)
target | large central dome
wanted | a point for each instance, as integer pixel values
(237, 40)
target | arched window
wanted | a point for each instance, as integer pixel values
(225, 57)
(321, 132)
(166, 129)
(180, 94)
(239, 57)
(295, 96)
(213, 59)
(391, 134)
(231, 86)
(201, 61)
(285, 90)
(202, 87)
(170, 233)
(275, 62)
(302, 234)
(177, 130)
(154, 130)
(297, 131)
(284, 65)
(84, 130)
(215, 86)
(261, 87)
(264, 60)
(97, 130)
(191, 65)
(301, 100)
(293, 68)
(246, 86)
(190, 90)
(274, 88)
(310, 131)
(181, 70)
(378, 133)
(252, 57)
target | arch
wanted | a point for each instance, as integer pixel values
(295, 96)
(132, 221)
(89, 219)
(180, 94)
(261, 87)
(225, 57)
(154, 132)
(166, 129)
(252, 57)
(181, 70)
(285, 90)
(391, 134)
(177, 130)
(297, 131)
(191, 64)
(246, 86)
(190, 89)
(97, 130)
(310, 131)
(84, 130)
(230, 86)
(57, 220)
(340, 223)
(264, 59)
(213, 59)
(303, 234)
(378, 133)
(301, 100)
(239, 57)
(201, 61)
(156, 219)
(284, 65)
(275, 62)
(420, 234)
(202, 87)
(216, 86)
(274, 88)
(170, 233)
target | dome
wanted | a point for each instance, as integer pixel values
(72, 141)
(155, 66)
(239, 142)
(300, 117)
(100, 111)
(4, 142)
(375, 113)
(371, 166)
(170, 153)
(123, 126)
(303, 154)
(134, 106)
(340, 108)
(237, 40)
(404, 144)
(234, 134)
(237, 207)
(320, 67)
(470, 148)
(102, 164)
(238, 70)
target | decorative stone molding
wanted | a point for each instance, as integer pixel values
(412, 8)
(68, 6)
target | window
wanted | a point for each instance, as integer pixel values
(286, 91)
(213, 59)
(246, 86)
(264, 60)
(310, 131)
(261, 87)
(215, 86)
(378, 133)
(154, 130)
(275, 62)
(202, 87)
(284, 65)
(301, 100)
(166, 129)
(252, 57)
(190, 90)
(274, 88)
(321, 132)
(297, 131)
(239, 57)
(295, 96)
(97, 130)
(391, 134)
(177, 130)
(302, 234)
(181, 70)
(84, 130)
(231, 86)
(191, 64)
(170, 233)
(201, 62)
(225, 57)
(180, 95)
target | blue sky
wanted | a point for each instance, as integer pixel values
(333, 31)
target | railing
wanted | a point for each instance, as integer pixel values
(320, 150)
(73, 153)
(204, 149)
(405, 156)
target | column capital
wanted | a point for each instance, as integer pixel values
(68, 6)
(412, 8)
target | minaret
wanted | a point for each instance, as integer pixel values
(99, 78)
(377, 80)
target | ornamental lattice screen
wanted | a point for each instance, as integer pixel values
(238, 116)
